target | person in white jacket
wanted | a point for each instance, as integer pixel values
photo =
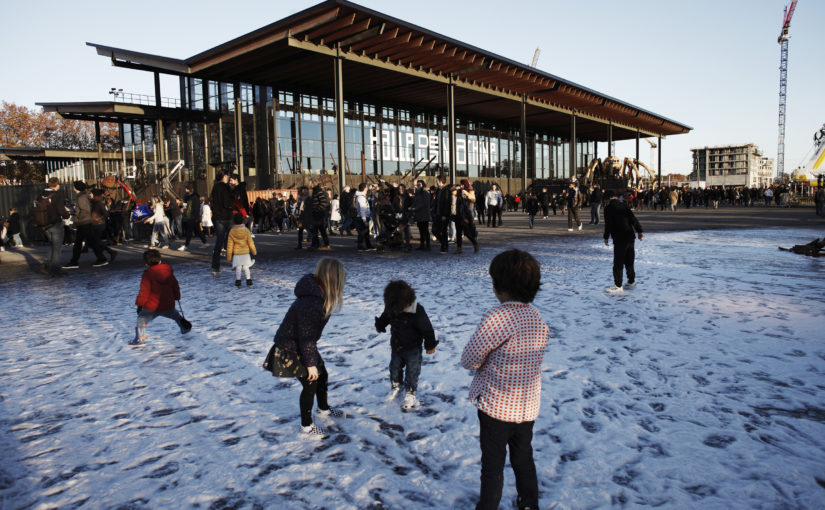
(493, 200)
(362, 225)
(159, 223)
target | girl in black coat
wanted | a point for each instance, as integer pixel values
(317, 296)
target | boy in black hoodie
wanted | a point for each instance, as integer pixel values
(410, 325)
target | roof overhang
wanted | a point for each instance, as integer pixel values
(388, 61)
(107, 111)
(36, 154)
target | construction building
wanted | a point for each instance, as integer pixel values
(342, 90)
(731, 165)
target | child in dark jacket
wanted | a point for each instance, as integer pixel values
(159, 290)
(410, 325)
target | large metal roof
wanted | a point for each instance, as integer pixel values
(387, 61)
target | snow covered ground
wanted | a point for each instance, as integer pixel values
(702, 388)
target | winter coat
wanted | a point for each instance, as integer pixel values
(421, 205)
(83, 210)
(192, 206)
(444, 201)
(158, 289)
(221, 202)
(239, 242)
(362, 206)
(304, 322)
(408, 329)
(620, 223)
(532, 205)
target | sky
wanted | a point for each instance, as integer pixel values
(711, 65)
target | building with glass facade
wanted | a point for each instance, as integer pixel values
(339, 82)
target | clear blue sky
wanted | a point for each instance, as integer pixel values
(713, 65)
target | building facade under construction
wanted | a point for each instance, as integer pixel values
(345, 91)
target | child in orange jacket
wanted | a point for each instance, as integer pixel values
(239, 250)
(159, 290)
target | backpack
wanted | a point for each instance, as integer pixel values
(43, 212)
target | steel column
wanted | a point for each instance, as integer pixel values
(573, 146)
(523, 136)
(157, 89)
(609, 140)
(660, 160)
(451, 149)
(339, 118)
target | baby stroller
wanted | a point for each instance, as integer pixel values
(390, 226)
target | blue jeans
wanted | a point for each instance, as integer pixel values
(221, 235)
(55, 237)
(594, 212)
(412, 359)
(147, 316)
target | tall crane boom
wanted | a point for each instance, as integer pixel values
(783, 84)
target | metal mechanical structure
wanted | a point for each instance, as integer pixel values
(784, 36)
(613, 168)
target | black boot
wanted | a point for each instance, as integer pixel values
(237, 283)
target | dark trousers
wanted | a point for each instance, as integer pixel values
(464, 228)
(221, 235)
(573, 214)
(319, 226)
(363, 229)
(624, 253)
(495, 437)
(313, 390)
(191, 226)
(85, 233)
(493, 213)
(410, 358)
(424, 233)
(441, 227)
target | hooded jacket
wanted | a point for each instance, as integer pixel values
(239, 242)
(158, 289)
(620, 223)
(304, 322)
(408, 329)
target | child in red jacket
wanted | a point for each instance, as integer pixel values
(158, 292)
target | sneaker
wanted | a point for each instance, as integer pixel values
(215, 272)
(100, 263)
(630, 285)
(580, 226)
(165, 246)
(396, 389)
(409, 400)
(182, 248)
(136, 341)
(614, 290)
(314, 432)
(569, 229)
(71, 265)
(249, 282)
(331, 413)
(237, 283)
(185, 326)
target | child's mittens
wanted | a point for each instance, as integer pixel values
(378, 327)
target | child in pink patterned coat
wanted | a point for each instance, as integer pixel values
(506, 352)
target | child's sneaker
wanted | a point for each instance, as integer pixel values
(409, 400)
(331, 413)
(185, 326)
(396, 389)
(136, 341)
(314, 432)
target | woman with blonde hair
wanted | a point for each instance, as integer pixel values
(317, 296)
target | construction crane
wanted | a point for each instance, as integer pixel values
(653, 146)
(784, 36)
(536, 56)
